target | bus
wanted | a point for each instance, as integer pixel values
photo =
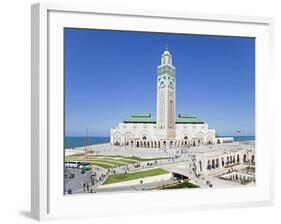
(71, 164)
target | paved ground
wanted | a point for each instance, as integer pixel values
(174, 160)
(75, 184)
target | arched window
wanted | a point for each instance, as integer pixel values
(209, 165)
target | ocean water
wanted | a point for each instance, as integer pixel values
(243, 138)
(72, 142)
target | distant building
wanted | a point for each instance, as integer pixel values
(166, 130)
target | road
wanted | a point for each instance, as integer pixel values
(75, 184)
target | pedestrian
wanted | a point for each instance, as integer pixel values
(84, 186)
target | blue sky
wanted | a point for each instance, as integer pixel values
(110, 75)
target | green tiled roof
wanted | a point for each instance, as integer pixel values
(141, 115)
(183, 115)
(146, 118)
(140, 118)
(188, 118)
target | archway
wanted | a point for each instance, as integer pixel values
(217, 163)
(213, 164)
(117, 138)
(253, 159)
(244, 158)
(128, 137)
(209, 165)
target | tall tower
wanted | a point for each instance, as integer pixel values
(166, 97)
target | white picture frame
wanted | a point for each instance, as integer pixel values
(47, 199)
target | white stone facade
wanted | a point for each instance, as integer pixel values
(211, 160)
(145, 135)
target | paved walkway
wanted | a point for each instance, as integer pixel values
(179, 161)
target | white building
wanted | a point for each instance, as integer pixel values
(166, 130)
(213, 159)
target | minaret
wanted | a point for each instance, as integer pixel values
(166, 97)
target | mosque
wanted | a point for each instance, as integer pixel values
(167, 130)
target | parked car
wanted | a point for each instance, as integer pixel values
(84, 163)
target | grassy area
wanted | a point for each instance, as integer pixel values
(103, 165)
(112, 162)
(108, 161)
(132, 158)
(135, 175)
(74, 155)
(185, 184)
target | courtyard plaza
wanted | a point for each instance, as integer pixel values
(182, 161)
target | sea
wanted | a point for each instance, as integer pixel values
(77, 141)
(71, 142)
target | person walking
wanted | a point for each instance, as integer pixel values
(84, 186)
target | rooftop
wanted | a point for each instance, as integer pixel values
(182, 118)
(140, 118)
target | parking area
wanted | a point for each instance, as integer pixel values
(74, 180)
